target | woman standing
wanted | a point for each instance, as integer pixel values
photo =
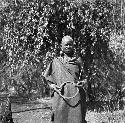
(66, 68)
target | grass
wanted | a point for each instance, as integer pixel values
(106, 117)
(106, 112)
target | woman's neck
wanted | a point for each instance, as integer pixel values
(67, 58)
(68, 55)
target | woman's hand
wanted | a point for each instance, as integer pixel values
(55, 87)
(81, 83)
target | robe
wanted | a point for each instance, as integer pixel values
(69, 110)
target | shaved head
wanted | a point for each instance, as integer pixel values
(67, 38)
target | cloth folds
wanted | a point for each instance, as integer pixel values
(72, 110)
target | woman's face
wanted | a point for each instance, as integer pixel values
(67, 46)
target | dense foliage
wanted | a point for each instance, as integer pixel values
(32, 32)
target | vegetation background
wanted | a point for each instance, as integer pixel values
(30, 36)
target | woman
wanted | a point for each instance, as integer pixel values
(66, 68)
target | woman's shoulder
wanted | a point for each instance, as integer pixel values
(77, 60)
(57, 58)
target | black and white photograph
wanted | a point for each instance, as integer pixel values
(62, 61)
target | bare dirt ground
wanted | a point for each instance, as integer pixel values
(40, 112)
(34, 112)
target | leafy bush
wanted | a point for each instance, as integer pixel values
(32, 35)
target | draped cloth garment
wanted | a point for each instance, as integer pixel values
(71, 110)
